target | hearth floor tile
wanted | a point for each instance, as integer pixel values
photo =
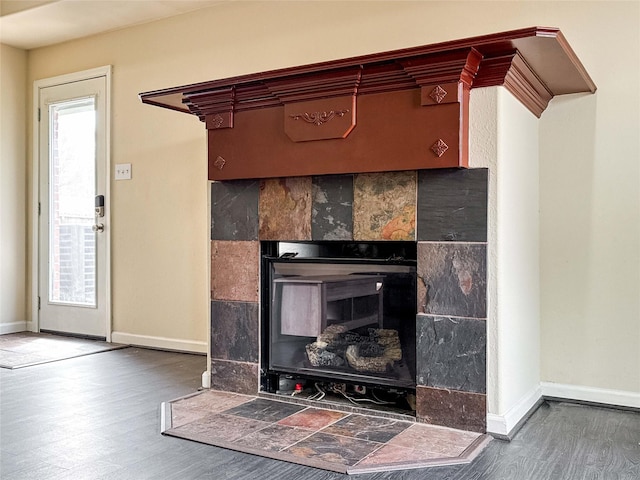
(273, 438)
(440, 441)
(217, 426)
(265, 410)
(313, 418)
(422, 445)
(333, 449)
(390, 454)
(364, 427)
(189, 409)
(317, 437)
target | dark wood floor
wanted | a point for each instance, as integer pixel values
(97, 417)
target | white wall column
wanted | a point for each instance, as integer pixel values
(504, 138)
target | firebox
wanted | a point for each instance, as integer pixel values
(339, 313)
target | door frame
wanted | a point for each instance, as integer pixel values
(104, 71)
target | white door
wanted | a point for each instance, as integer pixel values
(73, 234)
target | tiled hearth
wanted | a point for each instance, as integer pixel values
(444, 211)
(328, 439)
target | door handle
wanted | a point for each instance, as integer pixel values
(98, 228)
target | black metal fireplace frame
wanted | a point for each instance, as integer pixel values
(334, 252)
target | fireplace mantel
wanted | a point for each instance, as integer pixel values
(375, 144)
(392, 111)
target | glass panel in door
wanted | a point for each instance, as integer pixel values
(72, 187)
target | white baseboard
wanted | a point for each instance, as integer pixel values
(506, 425)
(31, 327)
(13, 327)
(164, 343)
(605, 396)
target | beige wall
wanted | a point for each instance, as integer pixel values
(13, 189)
(588, 157)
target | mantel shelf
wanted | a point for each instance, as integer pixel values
(400, 110)
(544, 49)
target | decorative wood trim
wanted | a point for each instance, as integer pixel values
(442, 93)
(534, 64)
(516, 75)
(575, 65)
(334, 83)
(215, 121)
(525, 85)
(545, 49)
(381, 78)
(319, 118)
(254, 95)
(439, 148)
(219, 162)
(494, 70)
(448, 67)
(215, 108)
(437, 94)
(324, 119)
(394, 132)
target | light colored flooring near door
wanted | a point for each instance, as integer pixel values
(18, 350)
(98, 417)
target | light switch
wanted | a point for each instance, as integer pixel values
(123, 171)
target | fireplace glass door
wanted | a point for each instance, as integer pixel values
(342, 319)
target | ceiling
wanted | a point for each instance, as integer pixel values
(31, 24)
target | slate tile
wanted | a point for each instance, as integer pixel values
(451, 353)
(390, 455)
(384, 206)
(452, 279)
(187, 410)
(420, 444)
(451, 408)
(265, 410)
(234, 270)
(236, 377)
(452, 205)
(234, 331)
(312, 418)
(273, 438)
(333, 449)
(439, 441)
(375, 429)
(218, 427)
(332, 211)
(234, 210)
(285, 209)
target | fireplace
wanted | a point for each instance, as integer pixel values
(339, 316)
(362, 150)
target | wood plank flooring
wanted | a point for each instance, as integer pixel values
(98, 417)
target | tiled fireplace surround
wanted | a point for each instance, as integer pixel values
(443, 210)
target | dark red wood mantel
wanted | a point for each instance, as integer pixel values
(401, 110)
